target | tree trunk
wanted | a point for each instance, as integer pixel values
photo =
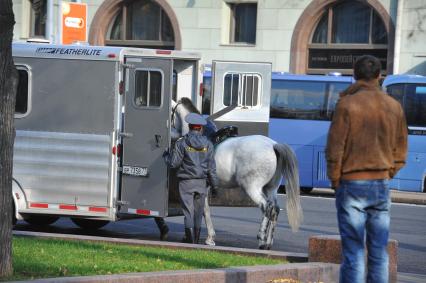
(8, 86)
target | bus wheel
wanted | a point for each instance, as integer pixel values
(40, 220)
(89, 224)
(306, 190)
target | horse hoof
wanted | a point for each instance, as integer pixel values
(210, 242)
(264, 247)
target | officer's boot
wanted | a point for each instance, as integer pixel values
(162, 226)
(197, 232)
(188, 236)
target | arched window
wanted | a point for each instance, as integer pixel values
(345, 31)
(141, 23)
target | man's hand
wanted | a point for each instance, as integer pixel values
(166, 153)
(335, 184)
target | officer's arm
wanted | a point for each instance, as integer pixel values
(176, 157)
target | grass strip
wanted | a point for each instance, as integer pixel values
(42, 258)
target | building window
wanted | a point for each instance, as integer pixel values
(241, 90)
(243, 23)
(141, 23)
(148, 88)
(346, 30)
(38, 18)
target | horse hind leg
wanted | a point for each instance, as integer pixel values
(273, 217)
(267, 227)
(211, 234)
(257, 195)
(272, 209)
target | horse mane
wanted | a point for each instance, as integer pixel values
(187, 103)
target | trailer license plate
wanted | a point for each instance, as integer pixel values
(135, 171)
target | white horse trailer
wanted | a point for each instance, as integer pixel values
(93, 122)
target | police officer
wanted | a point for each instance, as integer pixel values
(194, 159)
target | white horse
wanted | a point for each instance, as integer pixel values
(255, 164)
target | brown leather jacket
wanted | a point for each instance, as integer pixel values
(368, 135)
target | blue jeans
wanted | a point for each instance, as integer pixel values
(363, 216)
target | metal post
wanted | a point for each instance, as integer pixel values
(398, 35)
(49, 21)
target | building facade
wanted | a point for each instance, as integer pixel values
(298, 36)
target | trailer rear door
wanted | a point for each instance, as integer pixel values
(241, 95)
(144, 189)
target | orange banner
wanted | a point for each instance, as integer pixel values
(74, 24)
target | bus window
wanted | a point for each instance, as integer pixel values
(397, 92)
(415, 105)
(413, 99)
(304, 100)
(334, 90)
(298, 100)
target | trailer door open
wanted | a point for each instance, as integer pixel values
(146, 134)
(241, 96)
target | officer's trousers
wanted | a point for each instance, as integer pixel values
(192, 196)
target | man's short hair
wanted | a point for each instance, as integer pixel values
(367, 68)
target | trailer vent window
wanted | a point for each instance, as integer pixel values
(21, 107)
(241, 90)
(148, 88)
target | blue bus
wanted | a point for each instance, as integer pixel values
(300, 115)
(410, 91)
(301, 110)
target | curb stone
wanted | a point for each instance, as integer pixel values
(288, 273)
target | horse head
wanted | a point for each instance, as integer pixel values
(179, 126)
(179, 110)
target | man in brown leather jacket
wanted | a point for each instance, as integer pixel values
(366, 146)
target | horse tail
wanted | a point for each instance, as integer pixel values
(289, 169)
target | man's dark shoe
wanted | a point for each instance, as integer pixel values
(197, 232)
(188, 236)
(162, 226)
(164, 233)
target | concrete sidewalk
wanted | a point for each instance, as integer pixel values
(397, 196)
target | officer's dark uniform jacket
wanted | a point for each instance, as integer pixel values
(194, 157)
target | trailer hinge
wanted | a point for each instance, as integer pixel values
(121, 202)
(128, 66)
(125, 135)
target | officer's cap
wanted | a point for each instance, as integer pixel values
(195, 119)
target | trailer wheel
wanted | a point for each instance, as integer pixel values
(89, 224)
(40, 220)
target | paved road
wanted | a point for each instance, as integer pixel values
(238, 227)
